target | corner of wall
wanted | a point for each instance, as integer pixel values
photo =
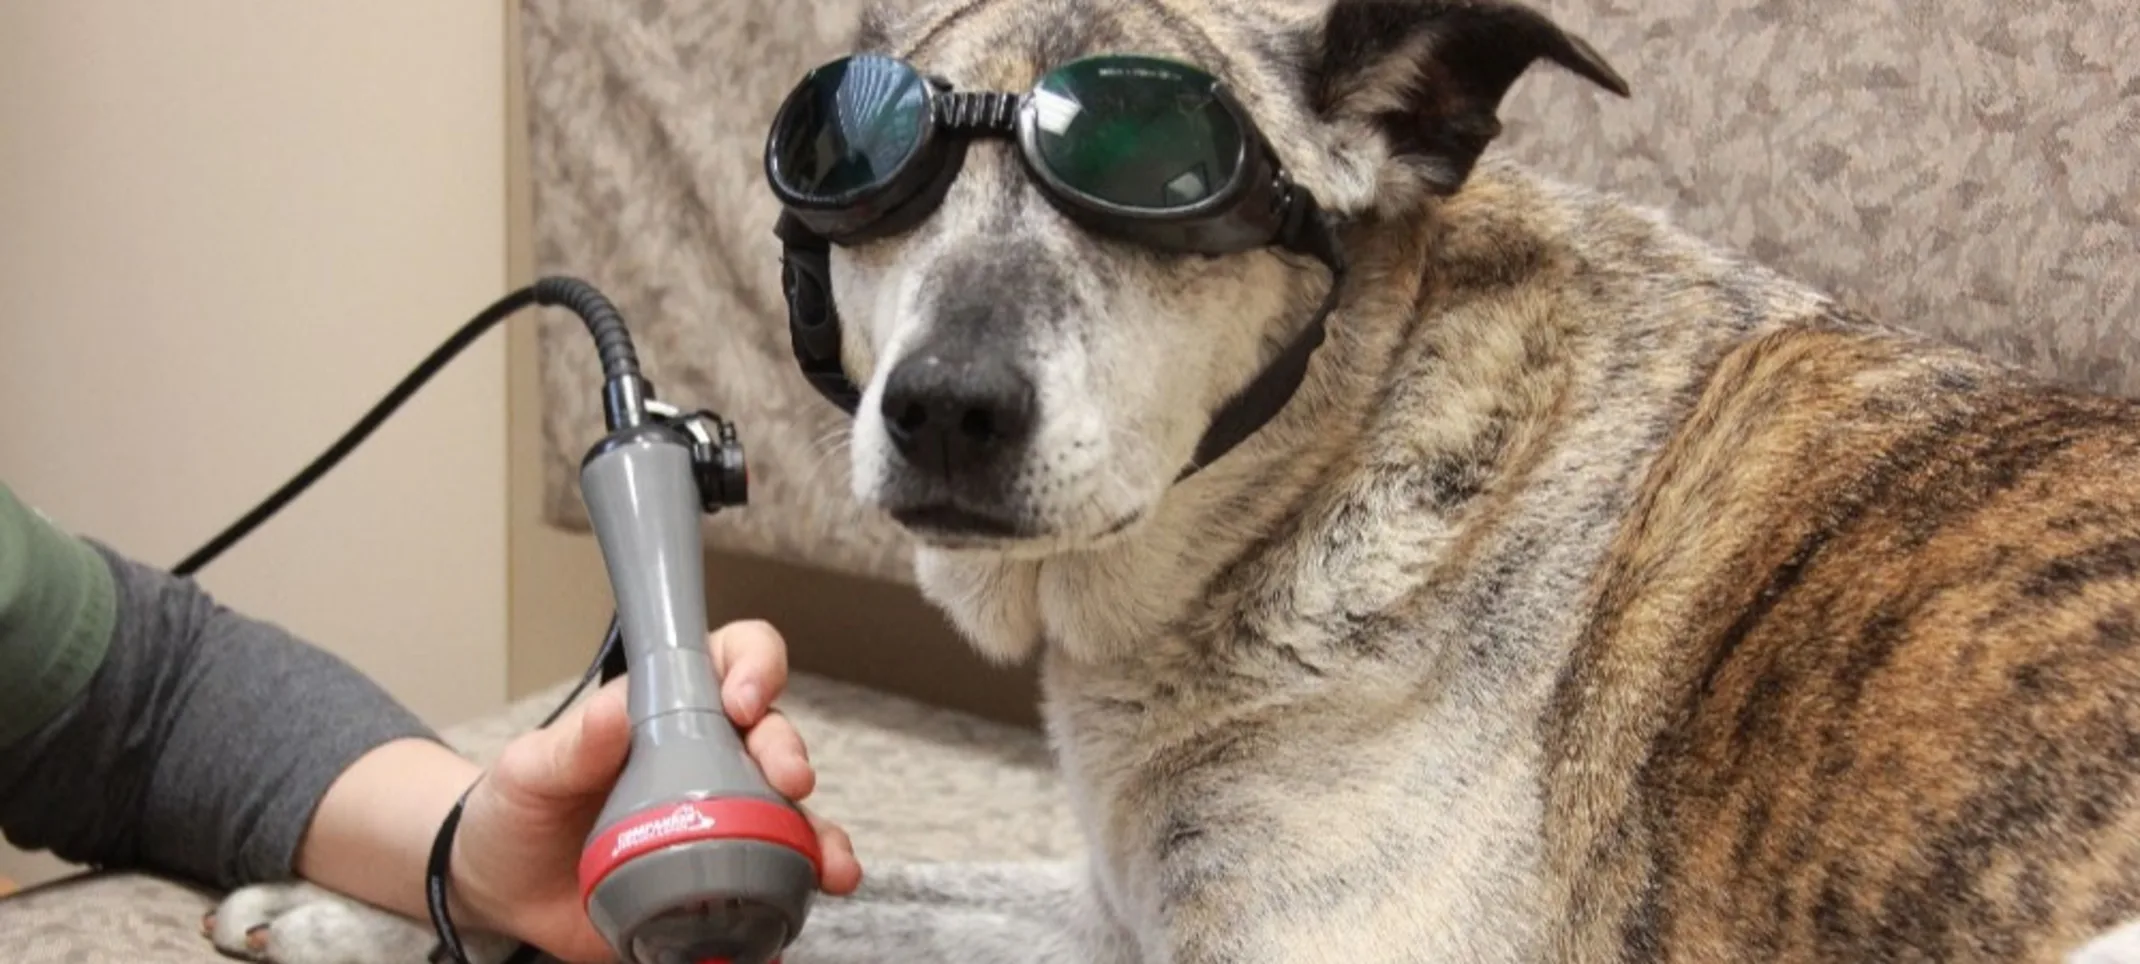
(557, 595)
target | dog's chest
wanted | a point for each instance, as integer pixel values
(1350, 774)
(1355, 820)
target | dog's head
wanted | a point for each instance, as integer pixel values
(1030, 386)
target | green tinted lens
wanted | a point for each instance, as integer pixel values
(849, 127)
(1136, 132)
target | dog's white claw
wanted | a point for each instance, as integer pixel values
(237, 924)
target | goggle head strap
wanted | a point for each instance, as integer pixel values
(1304, 230)
(813, 318)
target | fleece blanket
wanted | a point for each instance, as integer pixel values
(1963, 167)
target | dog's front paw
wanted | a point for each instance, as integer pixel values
(302, 924)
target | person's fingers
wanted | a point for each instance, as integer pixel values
(752, 660)
(778, 749)
(580, 755)
(840, 870)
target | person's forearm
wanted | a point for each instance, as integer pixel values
(371, 837)
(201, 747)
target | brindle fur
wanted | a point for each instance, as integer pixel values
(1604, 596)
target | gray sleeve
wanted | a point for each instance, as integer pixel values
(200, 748)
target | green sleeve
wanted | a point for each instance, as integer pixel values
(57, 609)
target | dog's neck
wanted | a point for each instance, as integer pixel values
(1098, 604)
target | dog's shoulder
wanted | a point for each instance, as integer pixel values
(1855, 672)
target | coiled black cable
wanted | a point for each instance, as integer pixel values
(612, 343)
(625, 392)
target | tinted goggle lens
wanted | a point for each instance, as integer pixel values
(1131, 133)
(849, 127)
(1134, 133)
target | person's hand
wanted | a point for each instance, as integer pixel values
(516, 854)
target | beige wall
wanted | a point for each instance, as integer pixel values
(225, 229)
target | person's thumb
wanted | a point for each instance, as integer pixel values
(582, 755)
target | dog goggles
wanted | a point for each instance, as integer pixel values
(1138, 149)
(1141, 149)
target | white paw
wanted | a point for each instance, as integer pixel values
(302, 924)
(2120, 946)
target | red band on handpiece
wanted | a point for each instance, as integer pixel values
(690, 821)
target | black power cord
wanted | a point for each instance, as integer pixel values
(625, 396)
(624, 392)
(357, 433)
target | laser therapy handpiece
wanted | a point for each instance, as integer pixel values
(695, 859)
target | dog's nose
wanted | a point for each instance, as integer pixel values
(952, 414)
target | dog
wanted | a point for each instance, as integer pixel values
(1601, 595)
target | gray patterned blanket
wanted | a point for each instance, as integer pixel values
(1963, 168)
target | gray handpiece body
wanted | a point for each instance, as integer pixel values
(644, 506)
(643, 502)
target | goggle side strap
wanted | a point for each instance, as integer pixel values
(1255, 405)
(813, 319)
(1307, 230)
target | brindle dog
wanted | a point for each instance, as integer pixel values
(1603, 596)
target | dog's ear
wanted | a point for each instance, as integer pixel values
(1428, 76)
